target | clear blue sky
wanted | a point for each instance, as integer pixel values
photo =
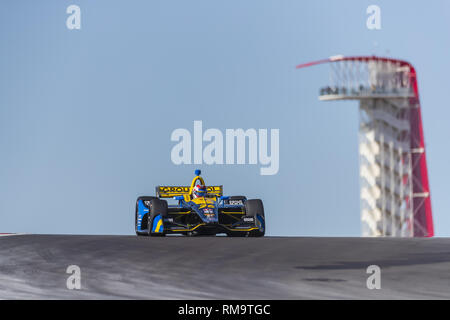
(86, 115)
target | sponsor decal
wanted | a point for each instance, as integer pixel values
(174, 189)
(185, 189)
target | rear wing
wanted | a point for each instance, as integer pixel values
(176, 191)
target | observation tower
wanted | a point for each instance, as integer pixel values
(394, 188)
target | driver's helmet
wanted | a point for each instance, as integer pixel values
(199, 191)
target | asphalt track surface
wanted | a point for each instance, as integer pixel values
(130, 267)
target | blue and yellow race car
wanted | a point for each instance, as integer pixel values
(201, 210)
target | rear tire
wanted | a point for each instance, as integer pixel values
(159, 208)
(144, 222)
(254, 208)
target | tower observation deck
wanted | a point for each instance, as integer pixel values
(394, 188)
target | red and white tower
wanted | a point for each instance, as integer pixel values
(394, 188)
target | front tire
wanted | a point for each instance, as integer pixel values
(254, 208)
(144, 216)
(158, 211)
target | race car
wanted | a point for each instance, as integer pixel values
(201, 210)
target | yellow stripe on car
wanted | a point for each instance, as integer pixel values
(202, 224)
(158, 226)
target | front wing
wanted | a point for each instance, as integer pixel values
(186, 221)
